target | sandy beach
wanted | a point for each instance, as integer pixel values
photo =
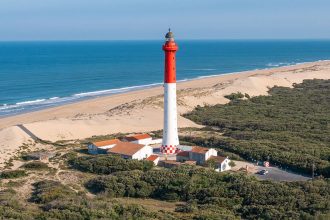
(141, 111)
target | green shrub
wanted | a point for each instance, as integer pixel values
(232, 163)
(234, 96)
(11, 174)
(35, 165)
(48, 191)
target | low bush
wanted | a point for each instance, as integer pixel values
(11, 174)
(35, 165)
(107, 164)
(47, 191)
(234, 96)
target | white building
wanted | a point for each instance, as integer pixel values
(145, 139)
(221, 163)
(101, 147)
(201, 154)
(128, 150)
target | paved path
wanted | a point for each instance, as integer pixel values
(277, 174)
(274, 173)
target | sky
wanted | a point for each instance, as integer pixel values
(150, 19)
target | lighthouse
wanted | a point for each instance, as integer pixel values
(170, 131)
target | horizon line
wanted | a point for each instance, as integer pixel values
(178, 39)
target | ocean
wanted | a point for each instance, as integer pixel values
(37, 75)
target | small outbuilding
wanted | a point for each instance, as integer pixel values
(153, 158)
(128, 150)
(145, 139)
(182, 156)
(221, 163)
(201, 154)
(101, 147)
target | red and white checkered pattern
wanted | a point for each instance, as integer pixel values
(169, 149)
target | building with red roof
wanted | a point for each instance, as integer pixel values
(139, 139)
(128, 150)
(101, 147)
(201, 154)
(182, 156)
(153, 158)
(221, 163)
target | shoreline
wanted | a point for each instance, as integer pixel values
(142, 110)
(200, 82)
(88, 96)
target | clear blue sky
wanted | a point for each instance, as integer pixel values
(149, 19)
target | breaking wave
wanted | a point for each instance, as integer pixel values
(37, 104)
(280, 64)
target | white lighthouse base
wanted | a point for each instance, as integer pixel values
(170, 131)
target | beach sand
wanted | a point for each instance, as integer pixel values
(141, 111)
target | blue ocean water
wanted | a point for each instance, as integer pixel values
(37, 75)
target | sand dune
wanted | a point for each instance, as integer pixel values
(141, 111)
(11, 139)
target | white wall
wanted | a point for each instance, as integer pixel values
(170, 131)
(210, 152)
(156, 161)
(145, 152)
(92, 149)
(145, 141)
(156, 141)
(225, 165)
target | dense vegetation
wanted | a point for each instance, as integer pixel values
(58, 201)
(106, 164)
(199, 193)
(291, 126)
(211, 195)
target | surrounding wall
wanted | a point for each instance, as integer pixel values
(92, 149)
(146, 141)
(145, 152)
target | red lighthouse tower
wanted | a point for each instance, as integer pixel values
(170, 131)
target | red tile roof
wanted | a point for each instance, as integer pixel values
(183, 154)
(218, 159)
(199, 150)
(152, 157)
(105, 143)
(137, 137)
(126, 148)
